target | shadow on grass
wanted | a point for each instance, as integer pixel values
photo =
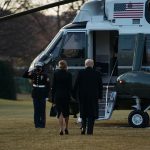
(112, 123)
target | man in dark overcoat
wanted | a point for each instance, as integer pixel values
(40, 90)
(88, 89)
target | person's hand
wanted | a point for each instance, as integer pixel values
(53, 104)
(73, 96)
(30, 73)
(47, 99)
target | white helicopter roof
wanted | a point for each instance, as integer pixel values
(88, 10)
(123, 15)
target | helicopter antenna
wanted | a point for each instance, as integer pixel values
(62, 2)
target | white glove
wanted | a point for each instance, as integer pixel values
(47, 99)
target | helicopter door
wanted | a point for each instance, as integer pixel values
(105, 48)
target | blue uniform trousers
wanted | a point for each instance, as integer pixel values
(39, 112)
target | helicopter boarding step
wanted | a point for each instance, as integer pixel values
(106, 104)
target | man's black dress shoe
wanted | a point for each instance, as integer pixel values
(66, 131)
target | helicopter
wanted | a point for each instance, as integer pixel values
(116, 35)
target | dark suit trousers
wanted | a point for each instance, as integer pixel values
(88, 122)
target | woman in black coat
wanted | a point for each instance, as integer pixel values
(88, 88)
(61, 93)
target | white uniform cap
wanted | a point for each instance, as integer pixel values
(39, 64)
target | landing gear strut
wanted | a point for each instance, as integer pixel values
(138, 118)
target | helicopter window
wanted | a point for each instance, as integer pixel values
(54, 51)
(58, 45)
(126, 46)
(74, 45)
(146, 54)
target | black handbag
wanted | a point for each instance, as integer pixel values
(53, 111)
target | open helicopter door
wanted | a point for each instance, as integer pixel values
(105, 49)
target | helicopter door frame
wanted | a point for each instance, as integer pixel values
(100, 46)
(104, 45)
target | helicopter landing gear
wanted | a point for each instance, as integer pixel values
(138, 118)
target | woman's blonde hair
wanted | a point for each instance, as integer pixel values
(62, 64)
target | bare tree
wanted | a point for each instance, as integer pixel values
(5, 5)
(76, 5)
(23, 38)
(16, 5)
(58, 17)
(21, 5)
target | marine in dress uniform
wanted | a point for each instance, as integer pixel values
(40, 90)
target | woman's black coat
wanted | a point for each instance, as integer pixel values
(88, 88)
(61, 87)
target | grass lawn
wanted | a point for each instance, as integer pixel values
(17, 132)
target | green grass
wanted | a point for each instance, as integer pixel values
(18, 133)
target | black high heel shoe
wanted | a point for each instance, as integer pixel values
(61, 133)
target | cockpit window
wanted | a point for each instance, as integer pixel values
(74, 45)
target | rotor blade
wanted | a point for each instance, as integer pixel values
(62, 2)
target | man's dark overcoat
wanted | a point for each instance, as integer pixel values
(88, 88)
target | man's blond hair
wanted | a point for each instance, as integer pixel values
(89, 63)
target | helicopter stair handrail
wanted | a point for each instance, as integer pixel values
(106, 105)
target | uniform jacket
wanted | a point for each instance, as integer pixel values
(88, 88)
(38, 80)
(61, 86)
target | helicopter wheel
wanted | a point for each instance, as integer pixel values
(138, 119)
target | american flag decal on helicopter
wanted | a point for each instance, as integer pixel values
(128, 10)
